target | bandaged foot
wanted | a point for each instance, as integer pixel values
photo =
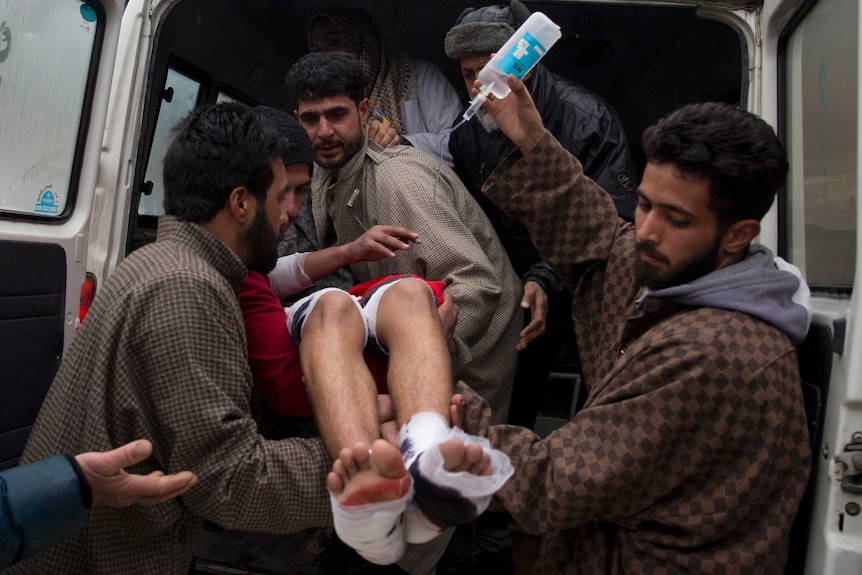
(454, 475)
(369, 490)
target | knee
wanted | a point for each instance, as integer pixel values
(336, 307)
(414, 291)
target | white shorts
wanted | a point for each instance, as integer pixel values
(367, 306)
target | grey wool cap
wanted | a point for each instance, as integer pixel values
(484, 30)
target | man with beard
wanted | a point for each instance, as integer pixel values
(162, 355)
(359, 185)
(691, 453)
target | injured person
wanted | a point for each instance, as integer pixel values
(315, 351)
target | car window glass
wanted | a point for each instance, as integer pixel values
(45, 51)
(178, 99)
(822, 132)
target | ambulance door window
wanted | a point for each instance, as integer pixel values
(821, 135)
(179, 97)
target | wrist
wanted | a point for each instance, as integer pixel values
(83, 484)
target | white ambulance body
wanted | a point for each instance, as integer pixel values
(90, 89)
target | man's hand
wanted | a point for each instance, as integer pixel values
(386, 136)
(448, 311)
(536, 300)
(380, 242)
(516, 115)
(456, 410)
(113, 487)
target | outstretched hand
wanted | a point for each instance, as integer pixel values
(516, 114)
(113, 487)
(380, 242)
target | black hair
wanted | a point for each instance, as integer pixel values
(737, 151)
(215, 150)
(299, 149)
(326, 74)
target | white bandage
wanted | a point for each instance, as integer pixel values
(374, 530)
(443, 498)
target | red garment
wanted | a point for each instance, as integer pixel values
(274, 357)
(362, 289)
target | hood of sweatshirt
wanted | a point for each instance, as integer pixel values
(762, 285)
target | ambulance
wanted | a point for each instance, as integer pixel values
(90, 89)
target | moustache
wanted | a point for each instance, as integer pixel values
(648, 249)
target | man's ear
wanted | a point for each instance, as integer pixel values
(739, 235)
(364, 108)
(242, 204)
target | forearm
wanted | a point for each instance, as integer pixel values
(321, 263)
(571, 220)
(41, 505)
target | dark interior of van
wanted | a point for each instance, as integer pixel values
(645, 59)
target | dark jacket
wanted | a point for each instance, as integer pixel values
(40, 505)
(585, 124)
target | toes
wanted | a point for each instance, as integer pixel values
(453, 451)
(335, 483)
(482, 466)
(387, 460)
(361, 455)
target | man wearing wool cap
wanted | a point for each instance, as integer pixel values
(586, 126)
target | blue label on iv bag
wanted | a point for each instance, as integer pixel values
(523, 56)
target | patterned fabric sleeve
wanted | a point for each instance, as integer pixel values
(675, 431)
(572, 221)
(197, 396)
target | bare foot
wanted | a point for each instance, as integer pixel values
(470, 458)
(361, 476)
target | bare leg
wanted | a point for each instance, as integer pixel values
(340, 387)
(420, 381)
(420, 372)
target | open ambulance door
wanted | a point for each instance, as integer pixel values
(56, 58)
(810, 78)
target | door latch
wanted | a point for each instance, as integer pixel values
(848, 468)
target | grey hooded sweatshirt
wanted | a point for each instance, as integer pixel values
(762, 285)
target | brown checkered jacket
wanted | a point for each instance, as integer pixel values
(691, 453)
(162, 355)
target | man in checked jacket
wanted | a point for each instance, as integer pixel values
(691, 453)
